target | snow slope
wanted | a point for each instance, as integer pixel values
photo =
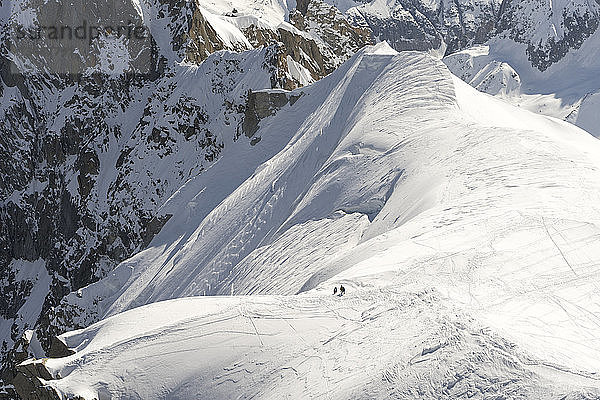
(370, 344)
(564, 90)
(465, 230)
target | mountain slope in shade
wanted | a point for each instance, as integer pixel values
(465, 230)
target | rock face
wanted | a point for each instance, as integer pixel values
(262, 104)
(318, 40)
(337, 38)
(28, 385)
(418, 25)
(548, 32)
(201, 39)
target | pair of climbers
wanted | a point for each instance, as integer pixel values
(342, 290)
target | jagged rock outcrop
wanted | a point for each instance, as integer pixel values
(202, 39)
(337, 38)
(548, 32)
(28, 385)
(417, 25)
(261, 104)
(31, 375)
(319, 39)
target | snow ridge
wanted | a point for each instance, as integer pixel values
(431, 202)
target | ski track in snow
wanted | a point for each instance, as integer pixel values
(374, 343)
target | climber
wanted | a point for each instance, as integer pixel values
(342, 290)
(334, 290)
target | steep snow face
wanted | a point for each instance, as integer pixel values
(423, 197)
(244, 211)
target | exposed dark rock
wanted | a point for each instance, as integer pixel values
(201, 37)
(328, 24)
(28, 385)
(152, 228)
(340, 39)
(262, 104)
(58, 348)
(419, 25)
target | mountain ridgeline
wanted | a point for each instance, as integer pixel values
(92, 153)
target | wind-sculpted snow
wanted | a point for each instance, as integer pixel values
(313, 176)
(465, 231)
(370, 344)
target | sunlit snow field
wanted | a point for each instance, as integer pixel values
(465, 230)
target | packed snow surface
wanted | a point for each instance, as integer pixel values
(465, 230)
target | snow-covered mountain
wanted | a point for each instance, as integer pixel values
(425, 25)
(247, 155)
(464, 229)
(90, 153)
(544, 57)
(76, 197)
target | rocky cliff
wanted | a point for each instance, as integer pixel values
(446, 26)
(547, 31)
